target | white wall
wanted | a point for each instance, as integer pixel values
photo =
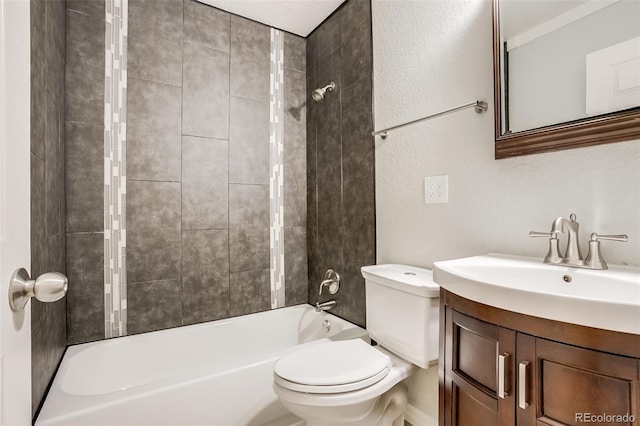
(433, 55)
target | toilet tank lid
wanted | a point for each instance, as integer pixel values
(410, 279)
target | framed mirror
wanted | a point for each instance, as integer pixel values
(566, 74)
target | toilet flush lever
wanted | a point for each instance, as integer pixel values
(47, 287)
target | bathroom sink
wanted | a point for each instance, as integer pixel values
(607, 299)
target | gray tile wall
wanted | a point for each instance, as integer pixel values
(84, 161)
(340, 157)
(198, 193)
(198, 166)
(48, 324)
(295, 169)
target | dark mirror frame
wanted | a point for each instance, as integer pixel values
(614, 127)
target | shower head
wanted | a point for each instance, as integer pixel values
(318, 94)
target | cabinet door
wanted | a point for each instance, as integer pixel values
(573, 386)
(479, 380)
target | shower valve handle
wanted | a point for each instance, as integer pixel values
(331, 280)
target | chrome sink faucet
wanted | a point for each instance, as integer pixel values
(573, 256)
(571, 227)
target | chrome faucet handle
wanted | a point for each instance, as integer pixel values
(553, 255)
(534, 234)
(620, 237)
(331, 280)
(594, 258)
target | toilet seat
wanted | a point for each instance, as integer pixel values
(347, 387)
(332, 367)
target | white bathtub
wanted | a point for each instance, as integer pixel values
(218, 373)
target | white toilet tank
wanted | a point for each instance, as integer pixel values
(403, 311)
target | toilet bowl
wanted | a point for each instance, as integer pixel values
(347, 386)
(351, 382)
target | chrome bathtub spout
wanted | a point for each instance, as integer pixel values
(320, 307)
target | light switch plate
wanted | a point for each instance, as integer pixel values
(436, 189)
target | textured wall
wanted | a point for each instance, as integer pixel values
(197, 170)
(84, 157)
(426, 61)
(48, 326)
(340, 172)
(493, 204)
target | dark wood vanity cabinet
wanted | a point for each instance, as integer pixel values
(503, 368)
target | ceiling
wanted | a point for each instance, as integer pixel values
(295, 16)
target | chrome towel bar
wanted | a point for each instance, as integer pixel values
(480, 107)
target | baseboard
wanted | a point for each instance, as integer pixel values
(418, 418)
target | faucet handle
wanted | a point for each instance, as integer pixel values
(621, 237)
(594, 258)
(331, 280)
(534, 234)
(553, 255)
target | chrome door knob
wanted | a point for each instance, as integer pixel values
(48, 287)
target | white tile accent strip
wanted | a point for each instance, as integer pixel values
(115, 181)
(276, 180)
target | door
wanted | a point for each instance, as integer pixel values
(570, 385)
(479, 381)
(15, 216)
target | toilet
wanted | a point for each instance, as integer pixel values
(351, 382)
